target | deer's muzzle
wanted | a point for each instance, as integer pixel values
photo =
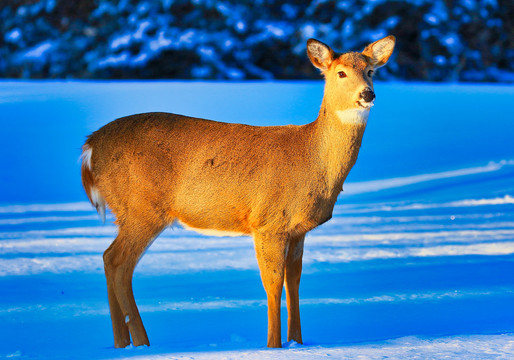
(367, 95)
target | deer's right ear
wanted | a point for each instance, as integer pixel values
(321, 55)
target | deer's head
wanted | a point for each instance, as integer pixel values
(349, 76)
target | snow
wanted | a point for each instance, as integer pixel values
(13, 35)
(141, 29)
(377, 185)
(416, 262)
(240, 26)
(122, 40)
(450, 40)
(440, 60)
(111, 60)
(275, 30)
(38, 51)
(163, 42)
(489, 347)
(308, 31)
(431, 19)
(78, 206)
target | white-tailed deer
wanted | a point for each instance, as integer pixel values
(274, 183)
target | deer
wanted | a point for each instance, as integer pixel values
(273, 183)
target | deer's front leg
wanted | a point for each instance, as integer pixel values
(293, 274)
(271, 251)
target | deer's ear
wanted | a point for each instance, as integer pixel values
(321, 55)
(380, 51)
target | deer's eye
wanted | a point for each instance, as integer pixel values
(370, 73)
(341, 74)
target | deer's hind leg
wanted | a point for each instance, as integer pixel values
(119, 328)
(120, 260)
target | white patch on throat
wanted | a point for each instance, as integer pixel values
(353, 116)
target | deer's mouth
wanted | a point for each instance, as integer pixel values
(365, 104)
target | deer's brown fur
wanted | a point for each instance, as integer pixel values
(273, 183)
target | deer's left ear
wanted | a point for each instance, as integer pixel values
(380, 51)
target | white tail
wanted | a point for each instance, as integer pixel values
(93, 194)
(273, 183)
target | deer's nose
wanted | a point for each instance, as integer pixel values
(368, 95)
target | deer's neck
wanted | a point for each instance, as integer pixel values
(339, 135)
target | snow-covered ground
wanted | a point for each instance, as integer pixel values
(416, 263)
